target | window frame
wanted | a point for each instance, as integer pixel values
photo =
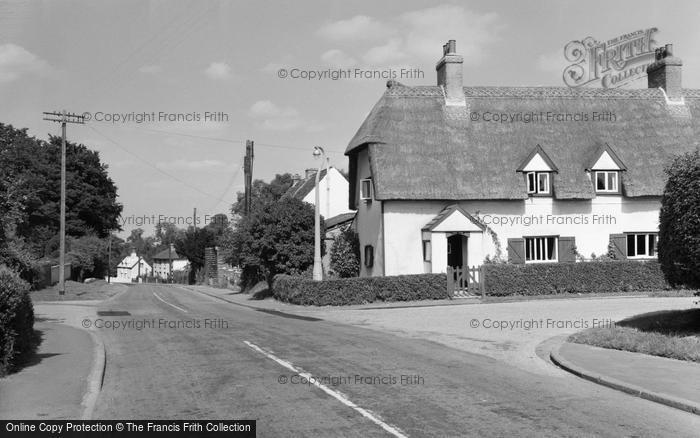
(534, 191)
(364, 196)
(651, 244)
(368, 256)
(539, 244)
(607, 189)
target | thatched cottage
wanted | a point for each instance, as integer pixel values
(450, 175)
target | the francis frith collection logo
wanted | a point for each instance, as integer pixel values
(612, 63)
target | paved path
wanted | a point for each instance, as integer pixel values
(51, 386)
(668, 378)
(211, 359)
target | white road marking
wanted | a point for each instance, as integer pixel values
(169, 304)
(335, 394)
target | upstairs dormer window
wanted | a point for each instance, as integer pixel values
(538, 183)
(605, 171)
(538, 169)
(606, 181)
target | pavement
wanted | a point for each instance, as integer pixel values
(55, 382)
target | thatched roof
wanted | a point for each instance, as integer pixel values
(419, 148)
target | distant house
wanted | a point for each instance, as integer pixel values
(131, 268)
(167, 262)
(449, 175)
(333, 195)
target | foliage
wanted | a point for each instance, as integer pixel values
(277, 237)
(30, 189)
(192, 246)
(585, 277)
(679, 222)
(345, 254)
(263, 193)
(16, 319)
(88, 256)
(345, 291)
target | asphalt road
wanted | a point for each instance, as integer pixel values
(186, 355)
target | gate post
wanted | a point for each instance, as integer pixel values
(450, 281)
(482, 281)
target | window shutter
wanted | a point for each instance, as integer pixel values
(619, 246)
(566, 249)
(516, 251)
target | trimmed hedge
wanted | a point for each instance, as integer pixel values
(584, 277)
(344, 291)
(16, 318)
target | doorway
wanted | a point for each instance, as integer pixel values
(456, 250)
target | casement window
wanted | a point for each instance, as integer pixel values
(366, 192)
(641, 245)
(427, 251)
(538, 183)
(541, 249)
(369, 256)
(606, 181)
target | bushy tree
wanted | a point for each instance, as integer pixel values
(88, 256)
(679, 222)
(264, 193)
(345, 254)
(276, 238)
(192, 246)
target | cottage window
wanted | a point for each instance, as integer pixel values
(606, 181)
(541, 249)
(427, 251)
(366, 189)
(641, 245)
(369, 256)
(538, 183)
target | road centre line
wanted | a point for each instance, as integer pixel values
(335, 394)
(169, 304)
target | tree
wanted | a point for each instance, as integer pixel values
(88, 255)
(264, 193)
(345, 254)
(30, 189)
(276, 238)
(192, 246)
(679, 222)
(144, 246)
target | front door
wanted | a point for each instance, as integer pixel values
(455, 246)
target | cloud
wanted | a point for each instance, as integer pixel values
(275, 118)
(354, 29)
(150, 69)
(17, 62)
(190, 165)
(415, 37)
(218, 70)
(338, 59)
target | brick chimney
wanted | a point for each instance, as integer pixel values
(449, 74)
(665, 72)
(310, 173)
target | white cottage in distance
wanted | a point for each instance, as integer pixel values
(333, 194)
(449, 175)
(131, 268)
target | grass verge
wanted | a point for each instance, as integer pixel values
(97, 290)
(674, 334)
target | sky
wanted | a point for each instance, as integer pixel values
(175, 88)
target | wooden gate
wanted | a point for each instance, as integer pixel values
(465, 281)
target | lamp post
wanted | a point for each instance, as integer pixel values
(318, 268)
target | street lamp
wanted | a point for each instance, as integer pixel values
(318, 268)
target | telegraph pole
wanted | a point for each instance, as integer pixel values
(63, 118)
(248, 171)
